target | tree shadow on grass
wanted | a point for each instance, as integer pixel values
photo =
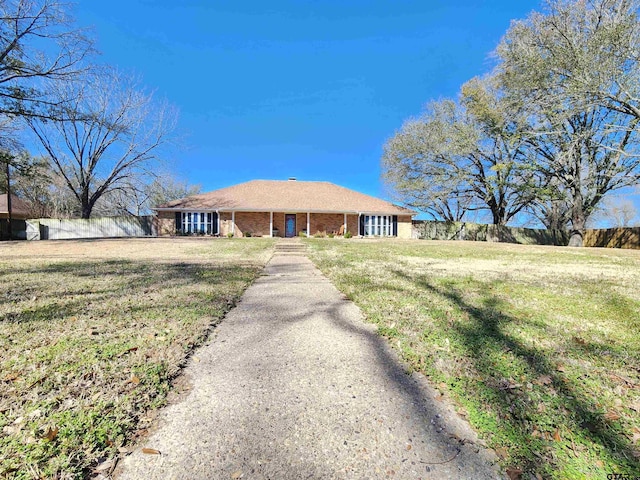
(113, 281)
(482, 336)
(261, 331)
(120, 307)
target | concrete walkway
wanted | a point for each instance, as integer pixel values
(293, 385)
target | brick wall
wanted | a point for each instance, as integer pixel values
(225, 223)
(352, 224)
(255, 223)
(278, 223)
(166, 223)
(326, 222)
(301, 222)
(405, 228)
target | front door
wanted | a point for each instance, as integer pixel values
(290, 225)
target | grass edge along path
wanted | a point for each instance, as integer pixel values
(538, 347)
(91, 341)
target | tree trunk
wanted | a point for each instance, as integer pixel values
(86, 211)
(9, 215)
(86, 203)
(578, 222)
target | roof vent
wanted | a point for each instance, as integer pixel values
(292, 179)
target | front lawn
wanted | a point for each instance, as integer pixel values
(539, 347)
(92, 334)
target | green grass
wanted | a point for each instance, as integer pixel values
(92, 335)
(539, 347)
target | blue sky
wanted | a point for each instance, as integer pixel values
(309, 89)
(297, 88)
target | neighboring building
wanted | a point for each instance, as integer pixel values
(284, 209)
(19, 208)
(19, 213)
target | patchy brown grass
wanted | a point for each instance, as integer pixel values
(93, 332)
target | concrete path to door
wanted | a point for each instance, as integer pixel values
(294, 385)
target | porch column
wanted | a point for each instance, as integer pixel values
(218, 222)
(271, 224)
(308, 224)
(233, 223)
(345, 224)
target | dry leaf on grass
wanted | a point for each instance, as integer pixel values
(51, 434)
(10, 377)
(544, 380)
(556, 436)
(151, 451)
(514, 473)
(612, 415)
(502, 453)
(128, 350)
(135, 380)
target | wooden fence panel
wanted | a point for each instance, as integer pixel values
(434, 230)
(613, 237)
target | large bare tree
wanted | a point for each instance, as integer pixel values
(38, 43)
(462, 156)
(107, 134)
(577, 68)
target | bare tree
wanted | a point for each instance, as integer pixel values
(41, 188)
(138, 198)
(616, 212)
(414, 180)
(38, 43)
(577, 68)
(462, 157)
(553, 212)
(109, 135)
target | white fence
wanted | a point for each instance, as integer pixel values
(108, 227)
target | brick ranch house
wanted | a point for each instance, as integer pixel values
(274, 208)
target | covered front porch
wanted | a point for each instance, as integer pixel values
(286, 224)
